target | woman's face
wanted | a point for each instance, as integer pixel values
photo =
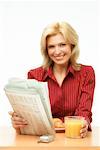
(58, 50)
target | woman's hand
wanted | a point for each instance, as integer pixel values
(17, 121)
(84, 130)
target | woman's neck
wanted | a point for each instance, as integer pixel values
(59, 73)
(60, 69)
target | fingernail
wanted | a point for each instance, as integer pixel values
(25, 121)
(80, 131)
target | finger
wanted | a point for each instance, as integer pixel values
(84, 129)
(83, 135)
(19, 123)
(18, 126)
(84, 132)
(84, 125)
(11, 113)
(19, 119)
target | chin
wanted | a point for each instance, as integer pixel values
(60, 62)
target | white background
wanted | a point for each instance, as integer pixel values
(21, 25)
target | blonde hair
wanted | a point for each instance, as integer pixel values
(70, 36)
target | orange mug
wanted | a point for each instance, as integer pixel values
(73, 125)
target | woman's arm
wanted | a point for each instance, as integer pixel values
(86, 96)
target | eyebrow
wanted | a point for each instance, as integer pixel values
(57, 43)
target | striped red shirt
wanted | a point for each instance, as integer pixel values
(74, 96)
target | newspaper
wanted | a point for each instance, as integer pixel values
(30, 99)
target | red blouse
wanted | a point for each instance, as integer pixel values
(74, 97)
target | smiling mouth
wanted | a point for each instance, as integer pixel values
(59, 57)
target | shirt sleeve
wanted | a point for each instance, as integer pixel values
(29, 76)
(86, 96)
(37, 73)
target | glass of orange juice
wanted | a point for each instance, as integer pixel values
(73, 125)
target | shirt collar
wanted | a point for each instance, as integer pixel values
(70, 70)
(49, 72)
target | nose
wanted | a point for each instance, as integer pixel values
(57, 50)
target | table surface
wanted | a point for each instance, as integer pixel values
(10, 140)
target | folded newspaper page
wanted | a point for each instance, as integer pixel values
(30, 99)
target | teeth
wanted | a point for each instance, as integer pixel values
(59, 56)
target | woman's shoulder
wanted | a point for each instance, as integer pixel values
(87, 75)
(87, 71)
(36, 73)
(87, 68)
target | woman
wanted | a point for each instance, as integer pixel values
(71, 85)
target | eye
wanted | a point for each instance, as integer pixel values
(62, 44)
(51, 46)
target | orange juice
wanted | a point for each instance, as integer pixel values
(73, 125)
